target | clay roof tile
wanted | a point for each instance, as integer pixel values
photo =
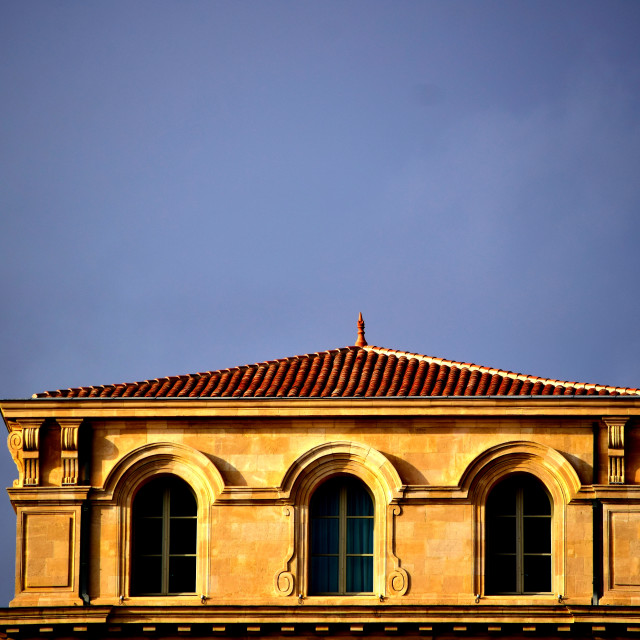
(358, 371)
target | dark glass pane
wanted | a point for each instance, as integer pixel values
(147, 535)
(536, 500)
(359, 501)
(147, 575)
(359, 535)
(324, 574)
(359, 574)
(536, 534)
(502, 500)
(325, 535)
(148, 501)
(501, 535)
(182, 500)
(182, 574)
(182, 535)
(326, 500)
(501, 574)
(537, 574)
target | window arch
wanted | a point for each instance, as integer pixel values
(341, 517)
(518, 537)
(164, 543)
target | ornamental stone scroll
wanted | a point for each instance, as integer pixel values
(24, 445)
(285, 580)
(398, 578)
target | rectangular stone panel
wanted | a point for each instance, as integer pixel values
(47, 547)
(625, 549)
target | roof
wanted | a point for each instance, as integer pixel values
(350, 372)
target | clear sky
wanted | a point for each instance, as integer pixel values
(187, 186)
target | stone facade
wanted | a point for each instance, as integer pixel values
(253, 464)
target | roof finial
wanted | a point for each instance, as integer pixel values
(360, 341)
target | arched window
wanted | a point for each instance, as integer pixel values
(518, 537)
(341, 538)
(165, 515)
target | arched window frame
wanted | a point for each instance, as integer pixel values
(301, 480)
(342, 482)
(162, 488)
(519, 480)
(133, 471)
(558, 477)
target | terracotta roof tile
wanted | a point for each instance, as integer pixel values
(257, 379)
(268, 377)
(387, 375)
(376, 376)
(312, 376)
(347, 372)
(289, 378)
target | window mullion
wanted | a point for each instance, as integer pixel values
(519, 541)
(166, 514)
(342, 546)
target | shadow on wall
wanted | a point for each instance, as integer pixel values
(229, 473)
(583, 469)
(8, 473)
(407, 472)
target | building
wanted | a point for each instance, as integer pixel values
(358, 491)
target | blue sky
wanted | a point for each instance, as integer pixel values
(187, 186)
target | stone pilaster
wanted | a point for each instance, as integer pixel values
(69, 428)
(615, 427)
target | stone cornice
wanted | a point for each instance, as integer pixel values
(340, 615)
(590, 407)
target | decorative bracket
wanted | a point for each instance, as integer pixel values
(284, 579)
(69, 428)
(24, 445)
(615, 441)
(398, 579)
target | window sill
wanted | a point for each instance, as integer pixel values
(518, 599)
(134, 601)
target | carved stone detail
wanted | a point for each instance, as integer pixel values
(616, 449)
(24, 445)
(285, 581)
(15, 447)
(69, 449)
(398, 579)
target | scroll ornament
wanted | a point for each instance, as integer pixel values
(24, 445)
(285, 580)
(398, 579)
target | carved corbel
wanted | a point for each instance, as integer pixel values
(615, 451)
(24, 445)
(69, 428)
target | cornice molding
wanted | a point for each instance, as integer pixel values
(132, 408)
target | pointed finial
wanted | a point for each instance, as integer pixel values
(360, 341)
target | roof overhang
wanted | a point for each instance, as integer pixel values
(257, 408)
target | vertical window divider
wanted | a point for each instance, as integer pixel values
(343, 540)
(166, 514)
(519, 541)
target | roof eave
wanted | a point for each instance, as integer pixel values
(584, 407)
